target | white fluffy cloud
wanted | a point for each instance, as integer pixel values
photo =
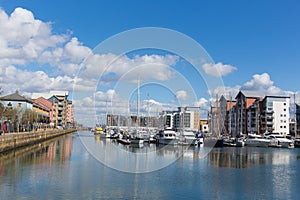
(181, 95)
(218, 69)
(262, 83)
(34, 59)
(13, 78)
(112, 67)
(24, 39)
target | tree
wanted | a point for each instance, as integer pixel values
(28, 117)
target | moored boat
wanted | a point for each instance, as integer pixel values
(124, 140)
(297, 142)
(187, 138)
(167, 137)
(279, 140)
(254, 140)
(99, 132)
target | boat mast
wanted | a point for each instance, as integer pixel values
(138, 104)
(106, 115)
(241, 116)
(295, 127)
(217, 117)
(230, 114)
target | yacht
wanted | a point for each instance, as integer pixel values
(167, 137)
(279, 140)
(187, 138)
(148, 136)
(137, 137)
(254, 140)
(99, 132)
(297, 143)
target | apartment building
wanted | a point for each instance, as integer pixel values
(252, 112)
(187, 118)
(275, 114)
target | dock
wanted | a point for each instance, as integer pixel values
(17, 140)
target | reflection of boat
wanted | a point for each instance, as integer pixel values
(213, 142)
(167, 137)
(256, 141)
(137, 140)
(278, 140)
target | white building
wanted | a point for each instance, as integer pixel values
(187, 118)
(275, 114)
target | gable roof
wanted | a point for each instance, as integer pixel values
(53, 98)
(15, 97)
(44, 102)
(250, 94)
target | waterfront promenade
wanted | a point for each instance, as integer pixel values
(11, 141)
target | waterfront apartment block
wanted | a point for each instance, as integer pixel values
(187, 118)
(251, 112)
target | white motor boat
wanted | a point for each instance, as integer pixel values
(254, 140)
(167, 137)
(279, 140)
(187, 138)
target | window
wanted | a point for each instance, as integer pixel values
(280, 126)
(284, 109)
(284, 127)
(19, 105)
(284, 104)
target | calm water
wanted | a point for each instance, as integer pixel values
(64, 169)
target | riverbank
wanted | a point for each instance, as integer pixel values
(16, 140)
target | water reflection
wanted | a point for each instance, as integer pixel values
(247, 157)
(47, 153)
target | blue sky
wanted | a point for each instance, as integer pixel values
(260, 39)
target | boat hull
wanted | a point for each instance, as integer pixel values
(124, 141)
(257, 143)
(167, 141)
(137, 141)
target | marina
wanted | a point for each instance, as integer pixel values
(64, 168)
